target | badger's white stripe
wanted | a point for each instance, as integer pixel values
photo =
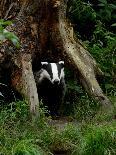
(41, 75)
(62, 73)
(44, 74)
(54, 72)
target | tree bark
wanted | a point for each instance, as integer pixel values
(25, 82)
(45, 34)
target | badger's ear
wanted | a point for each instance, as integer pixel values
(44, 63)
(61, 63)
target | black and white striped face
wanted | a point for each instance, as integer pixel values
(53, 71)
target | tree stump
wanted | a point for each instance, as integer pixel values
(45, 34)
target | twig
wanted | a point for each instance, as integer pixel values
(7, 13)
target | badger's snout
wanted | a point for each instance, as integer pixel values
(56, 82)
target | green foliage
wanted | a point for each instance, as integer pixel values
(106, 11)
(20, 136)
(94, 23)
(105, 56)
(25, 147)
(99, 140)
(15, 110)
(17, 131)
(4, 34)
(81, 15)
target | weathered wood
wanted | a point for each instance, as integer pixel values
(23, 80)
(29, 85)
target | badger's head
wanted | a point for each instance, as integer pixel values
(53, 71)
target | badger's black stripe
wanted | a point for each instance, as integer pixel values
(59, 67)
(50, 71)
(48, 68)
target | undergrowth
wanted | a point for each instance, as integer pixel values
(21, 136)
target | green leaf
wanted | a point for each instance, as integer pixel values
(15, 42)
(113, 24)
(112, 6)
(12, 37)
(109, 38)
(5, 23)
(103, 1)
(101, 4)
(109, 86)
(107, 74)
(1, 29)
(2, 37)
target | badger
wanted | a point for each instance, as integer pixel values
(51, 86)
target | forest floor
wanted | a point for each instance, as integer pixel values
(55, 136)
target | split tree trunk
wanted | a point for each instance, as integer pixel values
(45, 34)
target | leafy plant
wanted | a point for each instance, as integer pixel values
(25, 147)
(20, 136)
(81, 15)
(5, 34)
(106, 12)
(99, 140)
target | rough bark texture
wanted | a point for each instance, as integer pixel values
(82, 62)
(45, 34)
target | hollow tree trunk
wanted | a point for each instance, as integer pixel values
(46, 34)
(73, 52)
